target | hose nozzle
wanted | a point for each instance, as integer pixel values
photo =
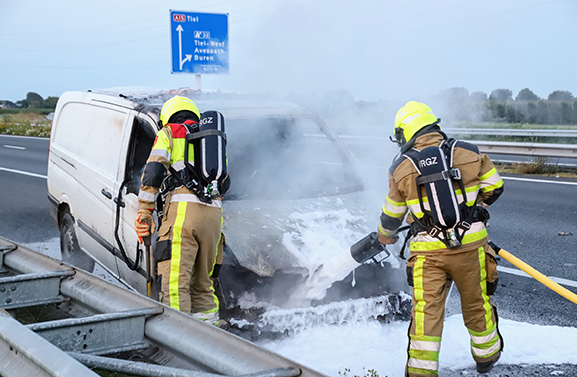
(369, 247)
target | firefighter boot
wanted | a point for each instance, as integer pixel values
(212, 318)
(487, 366)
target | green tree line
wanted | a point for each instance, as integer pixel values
(32, 101)
(560, 107)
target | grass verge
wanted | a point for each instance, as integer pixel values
(25, 124)
(23, 130)
(538, 167)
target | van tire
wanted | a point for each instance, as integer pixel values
(69, 247)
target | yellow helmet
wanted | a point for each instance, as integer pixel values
(410, 119)
(176, 104)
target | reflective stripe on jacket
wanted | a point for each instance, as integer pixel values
(480, 178)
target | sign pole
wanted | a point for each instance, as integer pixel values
(197, 80)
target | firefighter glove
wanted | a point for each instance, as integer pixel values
(388, 240)
(144, 224)
(387, 237)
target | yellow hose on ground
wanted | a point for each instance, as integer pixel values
(535, 274)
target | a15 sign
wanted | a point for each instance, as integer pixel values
(199, 42)
(179, 17)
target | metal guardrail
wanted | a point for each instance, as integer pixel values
(96, 319)
(510, 132)
(515, 132)
(497, 147)
(528, 149)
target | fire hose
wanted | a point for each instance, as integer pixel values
(370, 248)
(534, 273)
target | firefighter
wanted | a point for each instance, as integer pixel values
(189, 235)
(435, 262)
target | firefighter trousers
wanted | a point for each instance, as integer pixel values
(474, 272)
(186, 252)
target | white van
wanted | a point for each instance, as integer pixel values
(283, 159)
(98, 147)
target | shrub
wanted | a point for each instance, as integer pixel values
(539, 166)
(25, 130)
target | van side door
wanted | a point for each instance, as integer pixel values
(97, 170)
(136, 145)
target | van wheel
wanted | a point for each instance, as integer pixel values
(69, 247)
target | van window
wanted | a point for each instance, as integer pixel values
(282, 158)
(141, 140)
(93, 133)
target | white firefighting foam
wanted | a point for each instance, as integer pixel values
(336, 313)
(359, 344)
(315, 288)
(321, 235)
(322, 240)
(362, 346)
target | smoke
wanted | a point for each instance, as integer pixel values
(316, 47)
(378, 53)
(296, 201)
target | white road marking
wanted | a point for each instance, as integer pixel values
(24, 137)
(514, 271)
(505, 178)
(23, 173)
(539, 181)
(13, 147)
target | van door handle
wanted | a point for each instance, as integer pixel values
(121, 202)
(106, 193)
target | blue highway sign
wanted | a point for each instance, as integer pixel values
(199, 42)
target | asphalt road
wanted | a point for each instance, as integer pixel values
(24, 210)
(535, 221)
(529, 221)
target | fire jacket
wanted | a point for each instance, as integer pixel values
(482, 182)
(168, 150)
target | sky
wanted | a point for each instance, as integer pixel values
(376, 50)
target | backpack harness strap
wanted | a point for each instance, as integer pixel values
(186, 177)
(205, 133)
(183, 178)
(453, 173)
(466, 216)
